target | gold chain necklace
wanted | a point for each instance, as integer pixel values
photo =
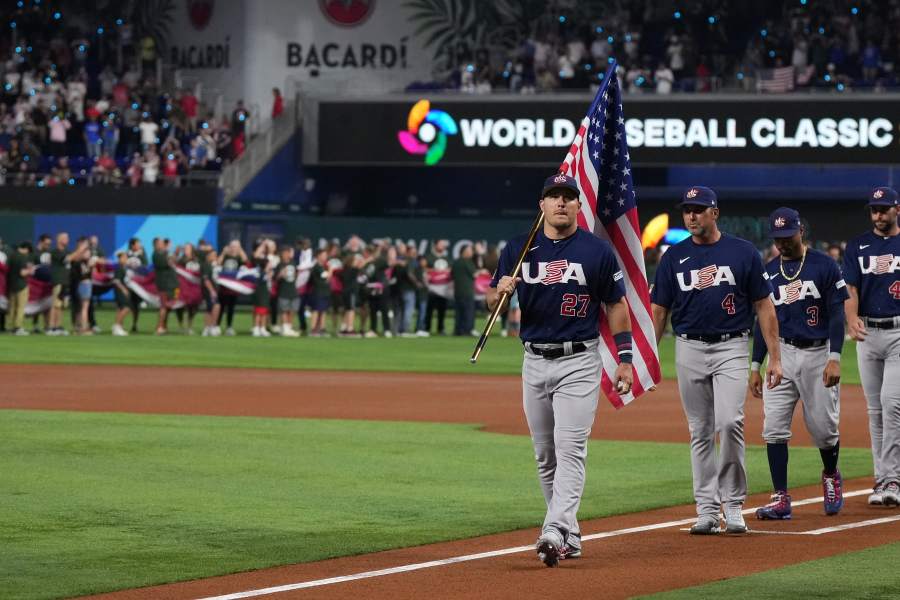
(800, 268)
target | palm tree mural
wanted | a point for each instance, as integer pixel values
(450, 26)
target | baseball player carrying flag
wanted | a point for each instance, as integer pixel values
(586, 321)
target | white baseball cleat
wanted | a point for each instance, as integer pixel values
(876, 498)
(734, 520)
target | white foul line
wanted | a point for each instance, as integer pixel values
(530, 548)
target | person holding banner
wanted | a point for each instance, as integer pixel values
(20, 264)
(567, 276)
(122, 294)
(166, 281)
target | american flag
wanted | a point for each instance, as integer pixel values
(555, 270)
(599, 160)
(883, 264)
(778, 80)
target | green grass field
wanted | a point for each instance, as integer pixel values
(502, 356)
(93, 502)
(869, 574)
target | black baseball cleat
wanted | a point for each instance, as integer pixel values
(547, 551)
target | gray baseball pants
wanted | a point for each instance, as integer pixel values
(802, 380)
(560, 400)
(712, 382)
(879, 369)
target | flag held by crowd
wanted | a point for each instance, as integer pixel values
(599, 160)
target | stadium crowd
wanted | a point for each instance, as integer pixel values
(700, 46)
(88, 107)
(355, 289)
(351, 290)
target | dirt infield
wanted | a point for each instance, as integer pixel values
(621, 565)
(494, 402)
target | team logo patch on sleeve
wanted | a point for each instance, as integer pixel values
(617, 276)
(840, 283)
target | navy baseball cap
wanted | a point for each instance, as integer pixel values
(562, 182)
(784, 222)
(884, 196)
(699, 196)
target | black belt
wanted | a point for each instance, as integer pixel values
(713, 338)
(554, 350)
(802, 344)
(885, 323)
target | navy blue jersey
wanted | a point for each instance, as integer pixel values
(804, 304)
(710, 288)
(872, 266)
(563, 283)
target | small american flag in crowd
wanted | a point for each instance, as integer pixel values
(778, 80)
(599, 160)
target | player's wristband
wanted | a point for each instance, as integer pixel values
(623, 346)
(755, 366)
(836, 356)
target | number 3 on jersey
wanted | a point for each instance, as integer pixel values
(570, 301)
(728, 304)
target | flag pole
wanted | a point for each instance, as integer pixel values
(538, 223)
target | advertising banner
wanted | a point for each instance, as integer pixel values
(538, 130)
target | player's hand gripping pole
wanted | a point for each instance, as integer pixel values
(538, 223)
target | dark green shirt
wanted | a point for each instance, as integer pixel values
(166, 279)
(59, 268)
(350, 280)
(286, 275)
(15, 263)
(463, 272)
(206, 271)
(119, 275)
(321, 286)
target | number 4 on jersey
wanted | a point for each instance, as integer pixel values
(895, 290)
(728, 304)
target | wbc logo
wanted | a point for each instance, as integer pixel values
(709, 276)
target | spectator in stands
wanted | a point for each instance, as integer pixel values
(149, 131)
(59, 127)
(277, 103)
(135, 171)
(92, 138)
(189, 107)
(110, 136)
(60, 174)
(106, 170)
(664, 78)
(150, 166)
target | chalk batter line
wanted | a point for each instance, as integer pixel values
(530, 548)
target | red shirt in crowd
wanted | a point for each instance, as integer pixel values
(277, 106)
(170, 167)
(189, 105)
(120, 94)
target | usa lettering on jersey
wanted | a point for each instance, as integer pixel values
(709, 276)
(879, 265)
(557, 271)
(795, 291)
